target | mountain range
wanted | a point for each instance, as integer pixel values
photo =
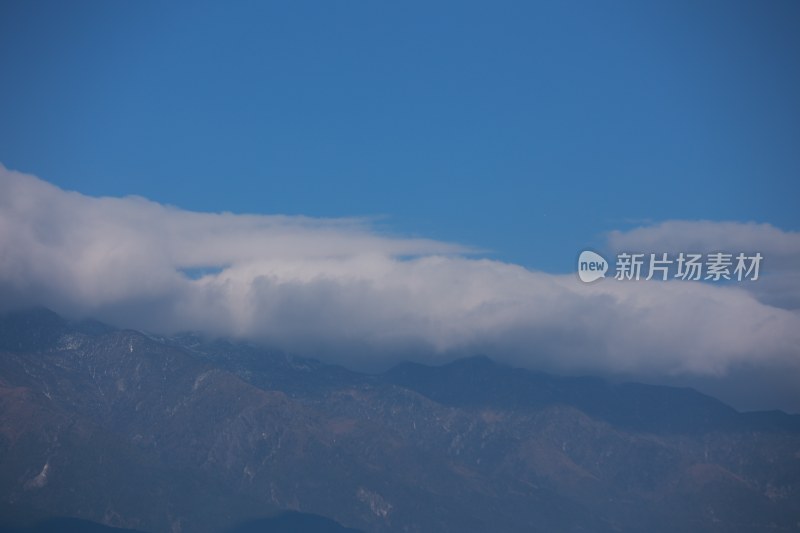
(104, 428)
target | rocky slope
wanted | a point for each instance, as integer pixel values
(182, 434)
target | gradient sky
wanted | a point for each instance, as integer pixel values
(526, 129)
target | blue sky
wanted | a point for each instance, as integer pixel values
(526, 129)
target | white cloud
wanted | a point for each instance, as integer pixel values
(779, 284)
(337, 289)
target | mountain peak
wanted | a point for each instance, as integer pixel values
(32, 329)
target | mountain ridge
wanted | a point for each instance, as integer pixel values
(160, 434)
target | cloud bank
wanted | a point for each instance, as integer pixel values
(338, 290)
(780, 286)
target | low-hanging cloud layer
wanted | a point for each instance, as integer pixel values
(337, 289)
(780, 284)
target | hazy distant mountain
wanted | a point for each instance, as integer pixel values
(286, 522)
(183, 435)
(65, 525)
